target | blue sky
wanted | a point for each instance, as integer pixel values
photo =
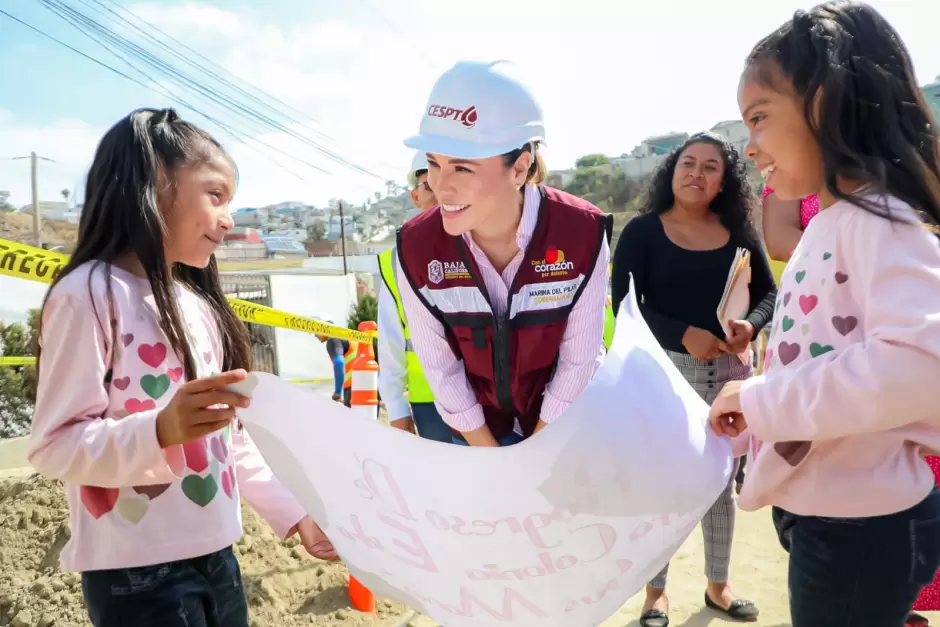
(358, 72)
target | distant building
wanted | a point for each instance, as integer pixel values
(243, 234)
(736, 132)
(251, 217)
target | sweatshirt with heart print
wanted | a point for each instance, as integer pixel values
(106, 369)
(847, 409)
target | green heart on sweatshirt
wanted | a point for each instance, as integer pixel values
(200, 490)
(155, 387)
(800, 275)
(787, 323)
(819, 349)
(826, 256)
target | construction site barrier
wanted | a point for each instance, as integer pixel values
(35, 264)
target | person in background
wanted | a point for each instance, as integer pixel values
(337, 350)
(137, 347)
(401, 371)
(784, 222)
(502, 360)
(837, 427)
(679, 253)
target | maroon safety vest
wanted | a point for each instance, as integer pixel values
(508, 359)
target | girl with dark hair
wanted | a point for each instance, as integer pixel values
(679, 253)
(138, 345)
(849, 405)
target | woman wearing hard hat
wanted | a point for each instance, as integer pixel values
(504, 284)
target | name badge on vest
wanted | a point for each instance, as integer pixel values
(545, 296)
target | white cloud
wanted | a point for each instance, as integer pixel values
(608, 74)
(69, 143)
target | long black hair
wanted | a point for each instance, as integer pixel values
(122, 213)
(733, 204)
(861, 102)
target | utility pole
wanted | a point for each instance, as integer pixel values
(34, 179)
(342, 236)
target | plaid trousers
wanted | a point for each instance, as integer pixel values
(707, 378)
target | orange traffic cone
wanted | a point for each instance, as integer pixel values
(361, 597)
(364, 398)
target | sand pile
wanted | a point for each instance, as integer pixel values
(285, 586)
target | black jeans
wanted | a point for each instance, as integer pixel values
(859, 572)
(200, 592)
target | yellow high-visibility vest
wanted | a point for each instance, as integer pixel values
(348, 360)
(418, 389)
(609, 322)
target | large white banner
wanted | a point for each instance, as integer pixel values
(558, 531)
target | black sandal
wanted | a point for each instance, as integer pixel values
(739, 609)
(654, 618)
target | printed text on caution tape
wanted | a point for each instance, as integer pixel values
(35, 264)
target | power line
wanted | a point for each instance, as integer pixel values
(83, 23)
(234, 134)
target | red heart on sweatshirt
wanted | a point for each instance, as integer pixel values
(122, 383)
(808, 303)
(98, 501)
(228, 481)
(175, 374)
(197, 455)
(787, 352)
(127, 338)
(152, 354)
(132, 405)
(219, 449)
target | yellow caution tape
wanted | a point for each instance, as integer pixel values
(17, 361)
(26, 262)
(35, 264)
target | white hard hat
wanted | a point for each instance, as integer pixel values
(479, 110)
(419, 163)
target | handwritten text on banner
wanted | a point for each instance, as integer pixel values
(557, 531)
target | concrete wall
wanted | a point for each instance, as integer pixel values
(301, 355)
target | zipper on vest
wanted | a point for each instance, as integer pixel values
(503, 376)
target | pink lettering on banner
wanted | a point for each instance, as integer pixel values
(647, 526)
(415, 549)
(532, 525)
(607, 536)
(379, 481)
(469, 602)
(613, 584)
(359, 535)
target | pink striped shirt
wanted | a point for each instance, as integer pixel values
(581, 348)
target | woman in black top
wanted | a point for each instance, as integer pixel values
(679, 252)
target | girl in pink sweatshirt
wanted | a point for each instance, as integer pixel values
(837, 429)
(137, 347)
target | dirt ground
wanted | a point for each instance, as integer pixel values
(18, 227)
(285, 586)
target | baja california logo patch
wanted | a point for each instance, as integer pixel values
(435, 272)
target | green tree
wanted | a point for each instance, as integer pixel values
(17, 383)
(5, 201)
(588, 161)
(366, 309)
(598, 181)
(316, 231)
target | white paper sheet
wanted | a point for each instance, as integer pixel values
(558, 531)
